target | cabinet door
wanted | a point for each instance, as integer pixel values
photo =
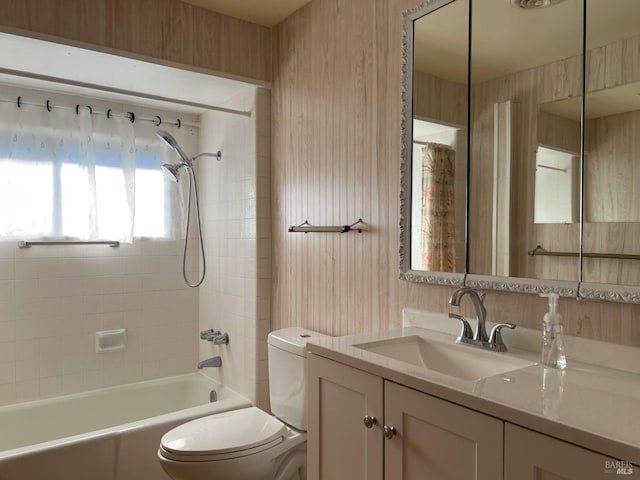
(437, 440)
(534, 456)
(340, 446)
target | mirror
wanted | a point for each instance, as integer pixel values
(548, 170)
(436, 138)
(612, 144)
(523, 61)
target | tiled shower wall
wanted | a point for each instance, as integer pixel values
(54, 298)
(235, 198)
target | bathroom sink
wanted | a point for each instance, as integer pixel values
(460, 361)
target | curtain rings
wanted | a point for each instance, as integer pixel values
(132, 116)
(78, 109)
(48, 105)
(19, 101)
(159, 121)
(178, 122)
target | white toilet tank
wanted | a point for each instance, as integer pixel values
(287, 374)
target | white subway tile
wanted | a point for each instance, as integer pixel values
(7, 373)
(27, 390)
(7, 331)
(7, 393)
(50, 386)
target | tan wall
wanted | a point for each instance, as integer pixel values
(337, 157)
(166, 30)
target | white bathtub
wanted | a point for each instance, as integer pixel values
(112, 433)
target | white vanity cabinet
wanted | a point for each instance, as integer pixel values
(438, 440)
(531, 455)
(339, 445)
(416, 436)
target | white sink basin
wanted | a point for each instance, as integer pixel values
(460, 361)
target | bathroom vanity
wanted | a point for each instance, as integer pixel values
(382, 408)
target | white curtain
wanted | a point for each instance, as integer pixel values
(83, 176)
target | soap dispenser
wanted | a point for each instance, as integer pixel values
(552, 341)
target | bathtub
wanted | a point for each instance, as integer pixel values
(106, 434)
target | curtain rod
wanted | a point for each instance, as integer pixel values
(156, 120)
(104, 88)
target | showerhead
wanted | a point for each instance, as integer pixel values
(171, 170)
(169, 140)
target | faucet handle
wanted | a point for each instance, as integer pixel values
(466, 331)
(495, 337)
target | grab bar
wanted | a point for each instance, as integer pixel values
(615, 256)
(306, 227)
(29, 244)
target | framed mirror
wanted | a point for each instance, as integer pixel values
(435, 142)
(519, 60)
(552, 201)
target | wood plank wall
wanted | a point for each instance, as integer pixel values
(336, 157)
(168, 31)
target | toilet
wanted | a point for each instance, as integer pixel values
(249, 444)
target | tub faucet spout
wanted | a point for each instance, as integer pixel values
(210, 362)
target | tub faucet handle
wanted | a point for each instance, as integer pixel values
(208, 334)
(221, 339)
(215, 336)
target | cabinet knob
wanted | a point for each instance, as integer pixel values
(369, 421)
(388, 432)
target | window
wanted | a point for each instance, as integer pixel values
(84, 176)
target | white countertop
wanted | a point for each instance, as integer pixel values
(592, 406)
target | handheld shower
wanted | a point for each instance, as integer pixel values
(171, 170)
(169, 140)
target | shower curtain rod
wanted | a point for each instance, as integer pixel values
(103, 88)
(156, 120)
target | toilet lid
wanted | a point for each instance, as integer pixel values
(224, 433)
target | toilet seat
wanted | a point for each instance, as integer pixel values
(223, 436)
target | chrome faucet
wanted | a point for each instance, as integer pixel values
(493, 341)
(210, 362)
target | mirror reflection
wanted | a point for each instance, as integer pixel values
(524, 60)
(557, 188)
(612, 144)
(439, 150)
(557, 177)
